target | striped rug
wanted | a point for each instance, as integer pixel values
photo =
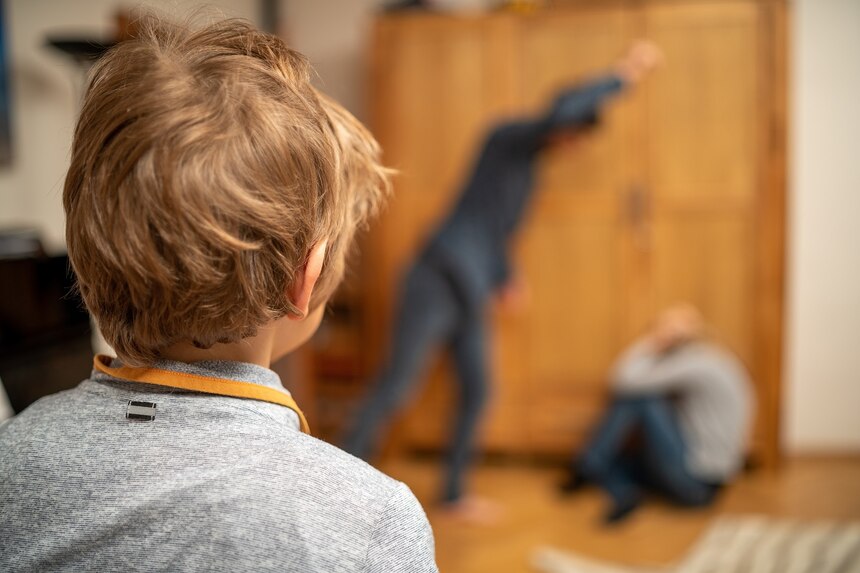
(746, 544)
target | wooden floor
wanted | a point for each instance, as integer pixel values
(656, 535)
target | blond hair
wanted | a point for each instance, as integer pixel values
(204, 168)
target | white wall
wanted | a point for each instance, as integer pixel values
(333, 34)
(46, 89)
(823, 339)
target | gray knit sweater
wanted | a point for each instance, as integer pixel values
(714, 398)
(211, 484)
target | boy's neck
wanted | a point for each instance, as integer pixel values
(273, 340)
(253, 350)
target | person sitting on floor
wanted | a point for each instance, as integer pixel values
(690, 402)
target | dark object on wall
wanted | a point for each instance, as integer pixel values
(5, 104)
(44, 329)
(270, 16)
(83, 51)
(20, 243)
(400, 5)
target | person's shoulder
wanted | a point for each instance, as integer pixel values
(713, 351)
(720, 358)
(353, 475)
(40, 426)
(402, 539)
(399, 536)
(330, 459)
(45, 410)
(332, 471)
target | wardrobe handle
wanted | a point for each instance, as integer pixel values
(635, 204)
(638, 214)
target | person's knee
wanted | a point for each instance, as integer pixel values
(656, 412)
(390, 392)
(592, 464)
(474, 397)
(636, 403)
(649, 402)
(660, 404)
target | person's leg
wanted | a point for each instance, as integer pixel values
(426, 315)
(626, 476)
(602, 463)
(468, 353)
(664, 456)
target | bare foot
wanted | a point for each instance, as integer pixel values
(473, 510)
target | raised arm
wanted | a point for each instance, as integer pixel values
(581, 104)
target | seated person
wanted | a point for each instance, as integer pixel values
(687, 401)
(210, 201)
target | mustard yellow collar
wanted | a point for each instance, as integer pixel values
(198, 383)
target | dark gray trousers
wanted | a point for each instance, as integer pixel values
(431, 314)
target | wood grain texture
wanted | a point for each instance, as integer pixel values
(679, 196)
(658, 534)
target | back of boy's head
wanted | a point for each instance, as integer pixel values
(204, 168)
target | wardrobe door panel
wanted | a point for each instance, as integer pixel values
(707, 121)
(574, 247)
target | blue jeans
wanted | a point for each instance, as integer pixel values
(431, 314)
(658, 463)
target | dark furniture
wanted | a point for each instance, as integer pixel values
(44, 329)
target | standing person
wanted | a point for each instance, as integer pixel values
(689, 401)
(446, 290)
(210, 201)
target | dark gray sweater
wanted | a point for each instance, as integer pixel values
(472, 240)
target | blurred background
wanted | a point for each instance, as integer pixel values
(729, 180)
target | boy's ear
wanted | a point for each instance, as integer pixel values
(306, 279)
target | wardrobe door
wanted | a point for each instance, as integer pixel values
(677, 196)
(707, 121)
(575, 248)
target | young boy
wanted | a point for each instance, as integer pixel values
(211, 198)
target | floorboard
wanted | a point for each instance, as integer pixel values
(658, 534)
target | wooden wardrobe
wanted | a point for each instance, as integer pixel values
(679, 196)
